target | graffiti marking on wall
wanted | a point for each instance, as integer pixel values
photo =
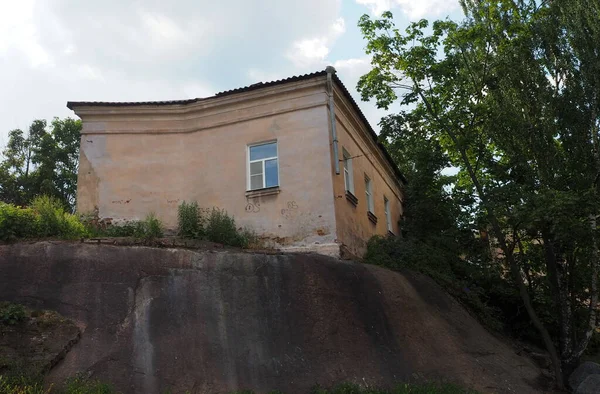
(290, 211)
(252, 206)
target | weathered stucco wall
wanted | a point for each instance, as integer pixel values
(141, 159)
(158, 320)
(353, 225)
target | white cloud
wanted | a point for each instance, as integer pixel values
(53, 51)
(311, 52)
(413, 9)
(18, 33)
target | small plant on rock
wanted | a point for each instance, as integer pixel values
(149, 228)
(11, 314)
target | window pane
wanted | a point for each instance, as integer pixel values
(256, 182)
(347, 179)
(263, 151)
(256, 168)
(271, 175)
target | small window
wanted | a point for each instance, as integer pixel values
(369, 194)
(388, 217)
(263, 166)
(348, 178)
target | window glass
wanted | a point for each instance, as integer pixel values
(256, 182)
(348, 180)
(369, 194)
(263, 151)
(272, 178)
(388, 218)
(263, 166)
(256, 168)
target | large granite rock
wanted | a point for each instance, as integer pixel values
(582, 372)
(591, 385)
(156, 320)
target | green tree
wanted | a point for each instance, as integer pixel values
(41, 162)
(510, 95)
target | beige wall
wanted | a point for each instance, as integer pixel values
(141, 159)
(353, 225)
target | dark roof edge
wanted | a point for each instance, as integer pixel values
(260, 85)
(374, 135)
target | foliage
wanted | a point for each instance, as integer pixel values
(9, 387)
(149, 228)
(11, 314)
(77, 385)
(221, 228)
(54, 221)
(41, 162)
(508, 96)
(45, 218)
(349, 388)
(215, 224)
(80, 385)
(462, 281)
(16, 222)
(190, 220)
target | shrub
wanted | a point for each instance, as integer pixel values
(54, 221)
(51, 214)
(190, 220)
(16, 222)
(220, 228)
(126, 229)
(215, 224)
(453, 275)
(11, 314)
(149, 228)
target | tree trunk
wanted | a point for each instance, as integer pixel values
(499, 234)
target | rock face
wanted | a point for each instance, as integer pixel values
(591, 385)
(36, 344)
(163, 319)
(588, 373)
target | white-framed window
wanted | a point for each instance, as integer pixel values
(348, 177)
(263, 166)
(388, 217)
(369, 194)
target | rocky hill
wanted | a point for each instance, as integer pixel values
(158, 319)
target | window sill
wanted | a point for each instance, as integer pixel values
(351, 197)
(372, 217)
(268, 191)
(390, 234)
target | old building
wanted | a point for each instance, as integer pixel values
(294, 159)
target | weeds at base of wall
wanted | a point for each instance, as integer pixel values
(214, 225)
(148, 229)
(193, 222)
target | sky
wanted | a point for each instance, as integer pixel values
(54, 51)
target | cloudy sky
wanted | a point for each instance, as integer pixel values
(52, 51)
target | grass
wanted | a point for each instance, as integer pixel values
(405, 388)
(76, 385)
